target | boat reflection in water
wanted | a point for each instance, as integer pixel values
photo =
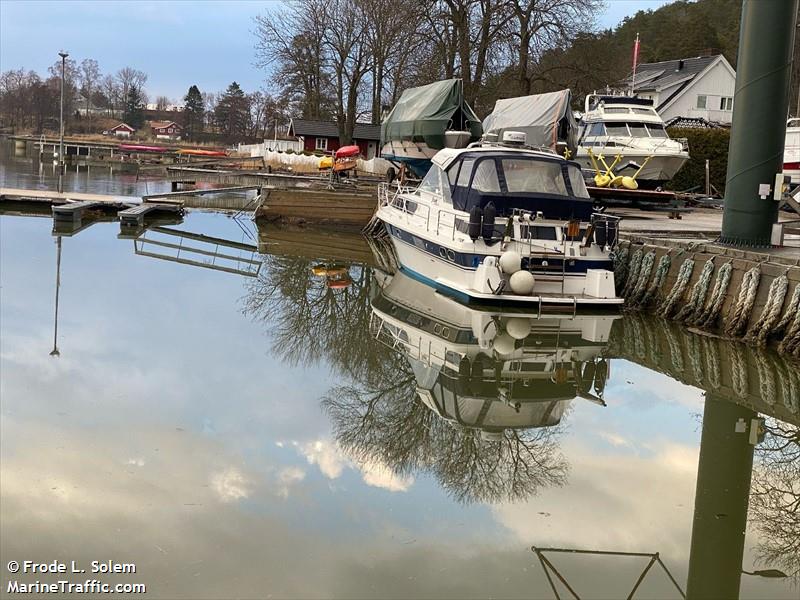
(492, 371)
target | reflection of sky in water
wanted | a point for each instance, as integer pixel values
(168, 435)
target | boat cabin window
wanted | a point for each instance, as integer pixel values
(638, 130)
(485, 178)
(616, 110)
(644, 111)
(596, 129)
(620, 129)
(436, 182)
(526, 175)
(577, 182)
(657, 131)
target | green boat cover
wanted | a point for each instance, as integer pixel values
(423, 114)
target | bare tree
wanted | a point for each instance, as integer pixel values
(113, 93)
(346, 39)
(292, 42)
(128, 77)
(89, 77)
(162, 103)
(542, 25)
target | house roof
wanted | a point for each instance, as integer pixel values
(163, 124)
(122, 126)
(660, 75)
(306, 127)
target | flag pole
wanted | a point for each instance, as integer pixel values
(635, 64)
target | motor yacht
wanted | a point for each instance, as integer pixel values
(631, 127)
(504, 223)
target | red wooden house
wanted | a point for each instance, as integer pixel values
(166, 130)
(324, 135)
(121, 130)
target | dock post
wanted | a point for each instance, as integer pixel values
(760, 106)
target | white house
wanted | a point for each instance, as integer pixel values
(694, 88)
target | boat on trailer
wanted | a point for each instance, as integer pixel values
(504, 223)
(425, 120)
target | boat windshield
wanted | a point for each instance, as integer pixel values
(509, 179)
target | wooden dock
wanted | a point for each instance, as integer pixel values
(54, 197)
(74, 211)
(350, 208)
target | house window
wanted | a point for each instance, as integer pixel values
(726, 103)
(701, 101)
(322, 143)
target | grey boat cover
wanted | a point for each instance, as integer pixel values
(423, 114)
(546, 119)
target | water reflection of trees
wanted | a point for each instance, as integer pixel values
(377, 416)
(388, 423)
(775, 497)
(310, 321)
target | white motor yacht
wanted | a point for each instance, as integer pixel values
(630, 126)
(504, 223)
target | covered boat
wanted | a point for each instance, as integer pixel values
(546, 119)
(425, 120)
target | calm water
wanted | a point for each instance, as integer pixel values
(296, 422)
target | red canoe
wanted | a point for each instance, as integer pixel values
(348, 151)
(140, 148)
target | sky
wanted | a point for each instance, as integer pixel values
(177, 43)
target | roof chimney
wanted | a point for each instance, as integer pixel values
(680, 65)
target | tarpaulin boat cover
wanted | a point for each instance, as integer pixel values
(546, 119)
(424, 113)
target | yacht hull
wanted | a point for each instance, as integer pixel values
(658, 170)
(419, 259)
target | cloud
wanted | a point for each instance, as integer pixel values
(326, 456)
(645, 503)
(287, 478)
(332, 462)
(230, 485)
(378, 475)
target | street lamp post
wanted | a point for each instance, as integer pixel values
(63, 56)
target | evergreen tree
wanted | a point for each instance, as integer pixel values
(193, 112)
(232, 113)
(134, 107)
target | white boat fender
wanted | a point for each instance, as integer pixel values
(475, 222)
(489, 216)
(522, 283)
(510, 262)
(518, 327)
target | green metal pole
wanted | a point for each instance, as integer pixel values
(760, 107)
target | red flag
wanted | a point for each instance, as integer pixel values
(636, 53)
